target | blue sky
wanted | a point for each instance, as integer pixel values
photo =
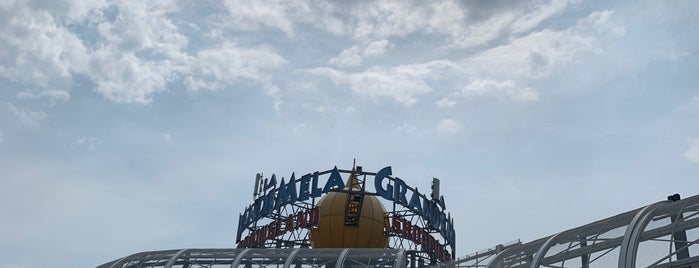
(128, 126)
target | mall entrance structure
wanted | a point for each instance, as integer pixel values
(355, 218)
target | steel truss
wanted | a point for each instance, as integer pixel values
(664, 234)
(257, 257)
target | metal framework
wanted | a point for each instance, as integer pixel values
(663, 234)
(258, 257)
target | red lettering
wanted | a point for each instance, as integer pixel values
(261, 237)
(301, 219)
(263, 233)
(406, 228)
(270, 230)
(278, 228)
(315, 216)
(289, 224)
(425, 237)
(395, 222)
(418, 235)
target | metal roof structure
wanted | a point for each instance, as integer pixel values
(262, 257)
(664, 234)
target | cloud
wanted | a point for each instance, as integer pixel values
(26, 115)
(502, 89)
(445, 103)
(692, 153)
(503, 71)
(377, 83)
(540, 12)
(532, 56)
(376, 48)
(600, 21)
(401, 83)
(539, 53)
(348, 57)
(229, 63)
(365, 21)
(141, 53)
(353, 56)
(449, 126)
(36, 49)
(250, 15)
(129, 57)
(53, 95)
(133, 50)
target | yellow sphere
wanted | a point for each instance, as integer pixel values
(333, 233)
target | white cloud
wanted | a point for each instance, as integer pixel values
(541, 12)
(36, 49)
(480, 33)
(445, 103)
(376, 48)
(250, 15)
(540, 53)
(167, 137)
(54, 96)
(353, 56)
(128, 78)
(69, 10)
(503, 71)
(600, 21)
(503, 89)
(376, 83)
(230, 63)
(140, 51)
(132, 56)
(532, 56)
(26, 115)
(692, 153)
(449, 126)
(402, 83)
(348, 57)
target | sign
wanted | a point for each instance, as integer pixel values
(272, 197)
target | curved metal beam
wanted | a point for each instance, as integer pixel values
(291, 257)
(400, 256)
(496, 261)
(543, 249)
(239, 258)
(120, 261)
(629, 244)
(341, 258)
(174, 258)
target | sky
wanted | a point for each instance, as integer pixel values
(128, 126)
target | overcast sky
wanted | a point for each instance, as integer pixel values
(128, 126)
